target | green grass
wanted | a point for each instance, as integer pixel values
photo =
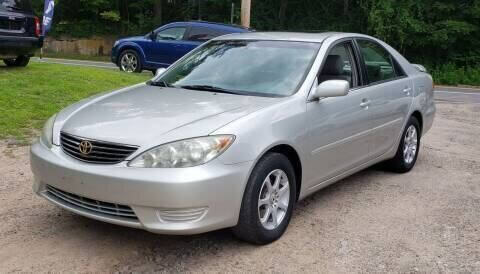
(99, 58)
(449, 74)
(28, 96)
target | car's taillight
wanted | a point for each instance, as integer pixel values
(38, 30)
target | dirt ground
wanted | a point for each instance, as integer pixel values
(425, 221)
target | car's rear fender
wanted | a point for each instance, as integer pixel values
(424, 101)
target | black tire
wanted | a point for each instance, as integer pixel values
(249, 227)
(9, 62)
(20, 61)
(399, 163)
(128, 68)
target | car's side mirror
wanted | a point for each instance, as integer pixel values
(151, 35)
(332, 88)
(160, 71)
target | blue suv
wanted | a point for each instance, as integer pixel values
(165, 45)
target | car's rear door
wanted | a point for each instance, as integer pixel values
(390, 92)
(338, 134)
(202, 34)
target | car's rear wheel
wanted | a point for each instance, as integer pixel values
(129, 61)
(408, 149)
(20, 61)
(268, 201)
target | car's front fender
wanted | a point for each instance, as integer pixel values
(133, 46)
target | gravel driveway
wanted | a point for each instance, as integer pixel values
(425, 221)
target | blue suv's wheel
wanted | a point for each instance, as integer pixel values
(129, 61)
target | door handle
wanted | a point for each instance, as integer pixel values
(407, 90)
(365, 103)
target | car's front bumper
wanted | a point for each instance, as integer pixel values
(114, 55)
(212, 191)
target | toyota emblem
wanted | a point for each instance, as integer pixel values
(85, 147)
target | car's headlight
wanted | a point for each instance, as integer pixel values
(47, 132)
(116, 43)
(184, 153)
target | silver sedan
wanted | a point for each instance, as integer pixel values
(235, 133)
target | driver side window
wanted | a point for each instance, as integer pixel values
(340, 65)
(171, 34)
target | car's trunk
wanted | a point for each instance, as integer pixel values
(16, 18)
(16, 24)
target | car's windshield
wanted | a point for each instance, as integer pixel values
(264, 68)
(23, 5)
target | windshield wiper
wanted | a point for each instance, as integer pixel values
(209, 88)
(160, 84)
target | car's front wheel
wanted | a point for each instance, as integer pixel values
(20, 61)
(408, 149)
(129, 61)
(268, 201)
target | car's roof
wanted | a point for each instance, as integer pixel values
(286, 36)
(211, 25)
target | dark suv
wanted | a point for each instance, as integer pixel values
(20, 32)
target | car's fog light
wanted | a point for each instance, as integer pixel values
(185, 215)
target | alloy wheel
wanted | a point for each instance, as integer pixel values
(273, 199)
(129, 62)
(410, 144)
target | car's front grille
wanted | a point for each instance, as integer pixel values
(91, 205)
(93, 151)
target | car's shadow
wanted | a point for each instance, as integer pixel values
(4, 67)
(149, 247)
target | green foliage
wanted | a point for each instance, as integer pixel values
(110, 16)
(432, 32)
(28, 96)
(450, 74)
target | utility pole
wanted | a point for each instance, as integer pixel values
(246, 5)
(232, 13)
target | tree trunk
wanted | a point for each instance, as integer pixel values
(122, 8)
(345, 7)
(158, 12)
(281, 13)
(199, 10)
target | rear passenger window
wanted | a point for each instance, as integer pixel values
(379, 64)
(203, 34)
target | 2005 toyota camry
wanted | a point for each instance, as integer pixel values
(235, 133)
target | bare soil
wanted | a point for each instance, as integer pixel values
(425, 221)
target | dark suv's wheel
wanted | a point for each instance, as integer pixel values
(268, 201)
(129, 61)
(20, 61)
(408, 149)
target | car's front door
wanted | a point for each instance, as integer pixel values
(391, 95)
(338, 133)
(169, 46)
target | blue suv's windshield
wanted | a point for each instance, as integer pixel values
(268, 68)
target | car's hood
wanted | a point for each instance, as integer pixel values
(133, 38)
(141, 115)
